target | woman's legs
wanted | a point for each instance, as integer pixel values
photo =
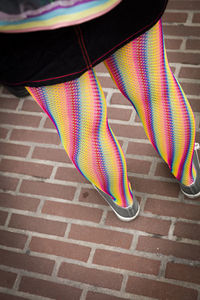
(142, 73)
(78, 110)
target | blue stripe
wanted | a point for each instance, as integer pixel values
(56, 13)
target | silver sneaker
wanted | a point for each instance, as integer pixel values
(123, 213)
(193, 190)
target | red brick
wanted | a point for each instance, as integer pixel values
(101, 68)
(49, 124)
(91, 196)
(72, 211)
(7, 279)
(10, 297)
(172, 209)
(58, 155)
(187, 230)
(173, 44)
(19, 119)
(101, 236)
(163, 170)
(49, 289)
(8, 103)
(70, 174)
(152, 186)
(12, 239)
(98, 296)
(119, 114)
(91, 276)
(126, 262)
(159, 290)
(107, 82)
(31, 106)
(196, 18)
(150, 225)
(11, 149)
(181, 30)
(129, 131)
(184, 5)
(195, 104)
(3, 133)
(141, 149)
(188, 72)
(183, 272)
(19, 202)
(47, 189)
(58, 248)
(166, 247)
(8, 183)
(35, 136)
(191, 88)
(119, 99)
(36, 224)
(3, 217)
(138, 166)
(192, 44)
(183, 57)
(26, 262)
(24, 167)
(176, 17)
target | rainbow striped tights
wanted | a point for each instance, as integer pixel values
(78, 110)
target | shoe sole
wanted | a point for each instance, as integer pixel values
(127, 219)
(190, 195)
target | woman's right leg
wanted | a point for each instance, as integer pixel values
(78, 110)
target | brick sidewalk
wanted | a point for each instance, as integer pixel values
(59, 239)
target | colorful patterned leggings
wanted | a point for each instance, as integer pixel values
(78, 109)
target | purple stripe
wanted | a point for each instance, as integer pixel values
(40, 11)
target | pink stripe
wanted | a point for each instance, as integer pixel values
(64, 24)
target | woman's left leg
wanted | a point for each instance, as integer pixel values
(142, 73)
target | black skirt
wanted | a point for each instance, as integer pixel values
(54, 56)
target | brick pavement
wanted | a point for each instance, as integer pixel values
(59, 239)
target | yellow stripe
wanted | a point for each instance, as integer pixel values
(66, 19)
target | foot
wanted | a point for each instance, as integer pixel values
(193, 190)
(123, 213)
